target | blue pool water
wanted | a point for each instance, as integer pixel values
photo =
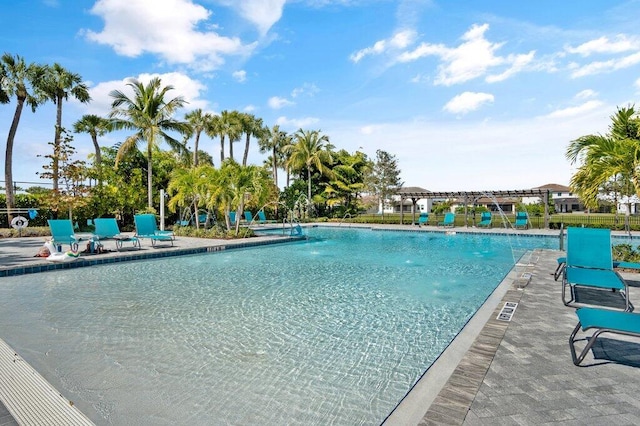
(331, 331)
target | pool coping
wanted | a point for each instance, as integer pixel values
(421, 398)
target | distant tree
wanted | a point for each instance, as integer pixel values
(58, 84)
(311, 150)
(274, 140)
(251, 126)
(225, 125)
(150, 116)
(385, 179)
(197, 121)
(95, 126)
(347, 181)
(73, 192)
(23, 81)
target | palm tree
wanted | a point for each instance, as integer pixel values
(150, 116)
(197, 123)
(251, 126)
(311, 150)
(59, 84)
(273, 140)
(227, 124)
(612, 158)
(23, 82)
(236, 184)
(189, 187)
(95, 126)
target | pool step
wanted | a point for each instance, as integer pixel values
(29, 398)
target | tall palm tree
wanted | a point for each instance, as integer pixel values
(225, 125)
(95, 126)
(150, 115)
(311, 150)
(251, 126)
(197, 121)
(273, 140)
(23, 82)
(604, 159)
(59, 84)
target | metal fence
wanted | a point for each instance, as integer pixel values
(594, 220)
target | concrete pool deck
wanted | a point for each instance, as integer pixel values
(495, 372)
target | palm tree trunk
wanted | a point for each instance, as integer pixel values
(230, 148)
(246, 150)
(94, 139)
(275, 167)
(221, 150)
(8, 158)
(309, 198)
(56, 143)
(195, 149)
(149, 178)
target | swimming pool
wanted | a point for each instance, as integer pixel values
(330, 331)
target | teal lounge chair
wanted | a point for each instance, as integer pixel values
(232, 218)
(449, 220)
(604, 321)
(62, 233)
(262, 219)
(522, 220)
(107, 228)
(485, 220)
(146, 227)
(562, 261)
(248, 216)
(589, 263)
(423, 219)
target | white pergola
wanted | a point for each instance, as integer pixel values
(415, 193)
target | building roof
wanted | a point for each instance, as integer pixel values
(554, 187)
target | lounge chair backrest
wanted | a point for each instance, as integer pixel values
(485, 216)
(145, 224)
(589, 248)
(449, 218)
(232, 217)
(261, 216)
(106, 227)
(61, 230)
(248, 216)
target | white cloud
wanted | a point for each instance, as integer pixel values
(519, 63)
(184, 86)
(296, 123)
(309, 89)
(467, 102)
(400, 40)
(576, 110)
(250, 108)
(240, 76)
(586, 94)
(604, 45)
(262, 13)
(277, 102)
(637, 83)
(132, 28)
(600, 67)
(471, 59)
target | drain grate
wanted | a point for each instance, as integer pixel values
(507, 311)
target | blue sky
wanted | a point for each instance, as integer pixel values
(467, 95)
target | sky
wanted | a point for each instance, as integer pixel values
(467, 95)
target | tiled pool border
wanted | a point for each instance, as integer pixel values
(83, 262)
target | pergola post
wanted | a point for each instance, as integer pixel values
(401, 209)
(546, 209)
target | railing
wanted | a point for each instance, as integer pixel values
(556, 221)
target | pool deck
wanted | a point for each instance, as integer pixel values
(494, 373)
